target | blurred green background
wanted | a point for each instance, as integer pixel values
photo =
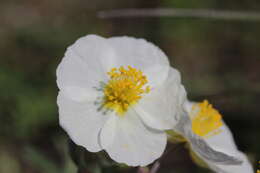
(219, 61)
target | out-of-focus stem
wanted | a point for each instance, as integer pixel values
(181, 13)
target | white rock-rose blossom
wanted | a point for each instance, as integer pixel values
(207, 123)
(118, 94)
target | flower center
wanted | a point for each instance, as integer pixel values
(125, 87)
(207, 120)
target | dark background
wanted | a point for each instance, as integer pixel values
(219, 61)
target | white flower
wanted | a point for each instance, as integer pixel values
(118, 94)
(207, 123)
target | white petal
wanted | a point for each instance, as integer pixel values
(224, 142)
(160, 108)
(132, 143)
(96, 51)
(188, 106)
(81, 121)
(83, 65)
(107, 134)
(245, 167)
(142, 55)
(79, 94)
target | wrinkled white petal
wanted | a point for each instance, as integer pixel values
(160, 108)
(141, 55)
(131, 142)
(96, 51)
(245, 167)
(224, 142)
(80, 94)
(107, 134)
(83, 66)
(188, 105)
(81, 121)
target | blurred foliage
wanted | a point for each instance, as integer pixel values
(219, 61)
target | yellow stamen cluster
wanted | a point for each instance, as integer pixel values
(125, 88)
(207, 120)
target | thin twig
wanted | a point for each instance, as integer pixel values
(155, 167)
(143, 170)
(181, 13)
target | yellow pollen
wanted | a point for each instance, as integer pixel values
(207, 120)
(125, 87)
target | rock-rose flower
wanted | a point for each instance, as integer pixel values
(207, 123)
(118, 94)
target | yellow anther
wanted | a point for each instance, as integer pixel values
(147, 89)
(125, 88)
(207, 120)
